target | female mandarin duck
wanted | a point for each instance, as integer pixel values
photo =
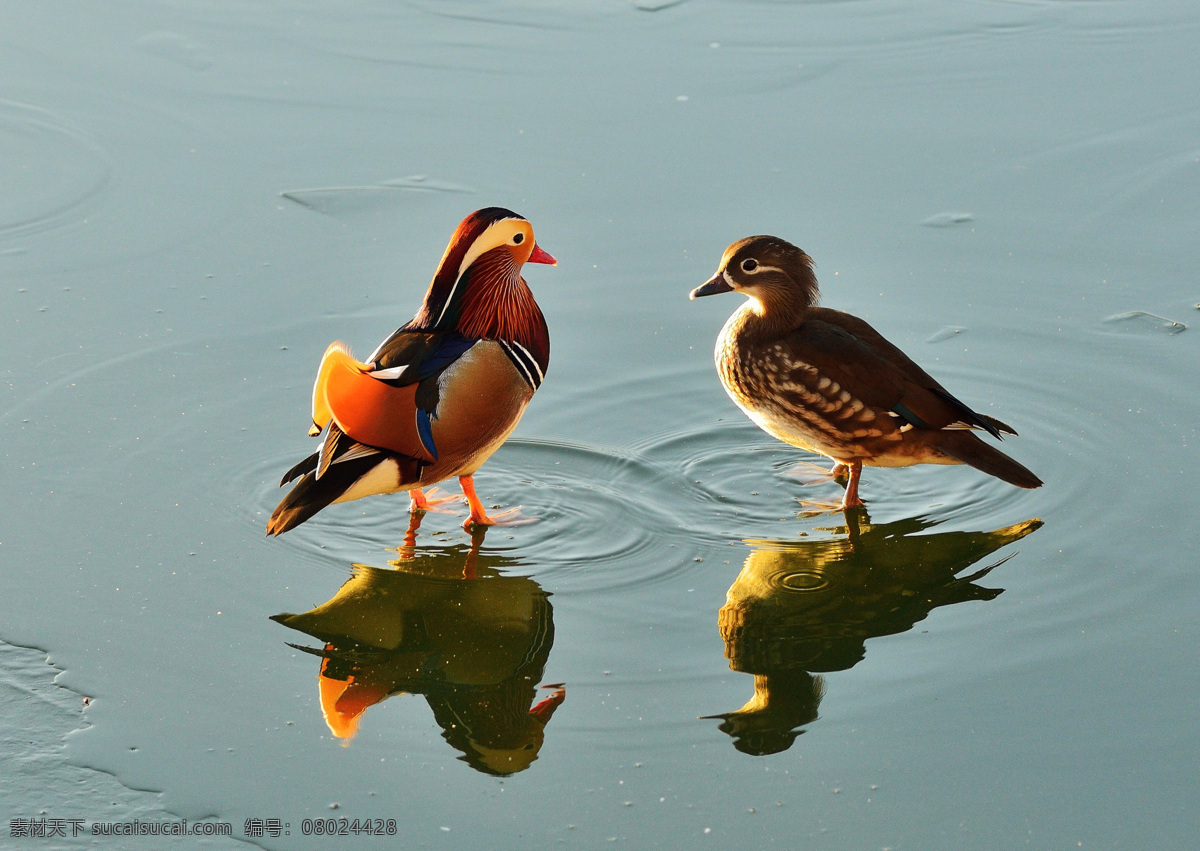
(828, 382)
(441, 394)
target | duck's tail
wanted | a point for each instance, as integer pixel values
(967, 447)
(310, 494)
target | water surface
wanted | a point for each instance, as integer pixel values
(196, 198)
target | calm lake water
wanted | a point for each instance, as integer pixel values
(197, 197)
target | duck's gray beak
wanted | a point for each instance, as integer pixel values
(715, 284)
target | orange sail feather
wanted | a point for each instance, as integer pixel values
(367, 409)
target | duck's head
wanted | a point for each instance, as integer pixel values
(776, 275)
(489, 247)
(492, 229)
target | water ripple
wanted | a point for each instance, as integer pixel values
(638, 515)
(604, 519)
(51, 171)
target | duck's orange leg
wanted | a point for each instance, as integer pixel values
(470, 566)
(851, 500)
(409, 548)
(419, 501)
(479, 515)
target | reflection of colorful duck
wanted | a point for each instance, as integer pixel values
(447, 625)
(800, 607)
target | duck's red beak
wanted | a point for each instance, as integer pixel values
(540, 256)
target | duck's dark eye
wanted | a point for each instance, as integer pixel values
(518, 238)
(749, 265)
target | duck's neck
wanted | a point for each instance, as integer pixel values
(497, 304)
(756, 322)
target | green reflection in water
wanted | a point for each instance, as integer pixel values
(800, 608)
(447, 624)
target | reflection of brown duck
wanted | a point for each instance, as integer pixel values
(800, 607)
(447, 625)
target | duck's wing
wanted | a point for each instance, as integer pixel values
(848, 351)
(387, 403)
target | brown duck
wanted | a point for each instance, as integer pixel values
(828, 382)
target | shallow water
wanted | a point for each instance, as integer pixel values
(196, 198)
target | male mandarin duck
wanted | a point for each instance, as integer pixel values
(828, 382)
(442, 393)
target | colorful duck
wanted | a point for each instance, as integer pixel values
(828, 382)
(442, 393)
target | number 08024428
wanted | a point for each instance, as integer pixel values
(348, 827)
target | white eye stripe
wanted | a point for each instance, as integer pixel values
(478, 247)
(761, 268)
